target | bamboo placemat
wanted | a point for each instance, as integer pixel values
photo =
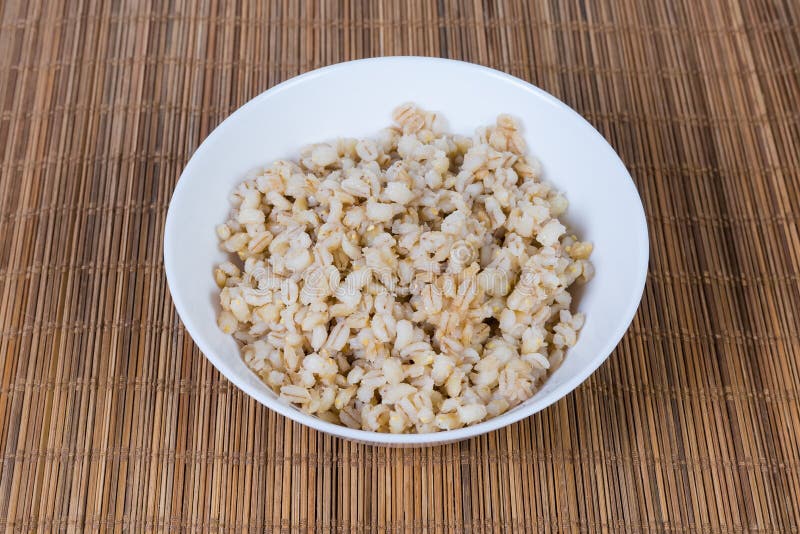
(110, 418)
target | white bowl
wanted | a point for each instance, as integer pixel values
(356, 99)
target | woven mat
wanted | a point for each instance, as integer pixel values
(110, 417)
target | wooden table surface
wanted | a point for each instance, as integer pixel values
(111, 418)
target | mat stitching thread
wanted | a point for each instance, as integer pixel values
(100, 268)
(691, 120)
(75, 327)
(26, 164)
(709, 278)
(380, 460)
(633, 166)
(89, 209)
(452, 20)
(158, 265)
(705, 393)
(721, 171)
(155, 107)
(48, 327)
(724, 220)
(333, 525)
(288, 68)
(186, 386)
(146, 207)
(740, 338)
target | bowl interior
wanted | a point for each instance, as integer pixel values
(356, 99)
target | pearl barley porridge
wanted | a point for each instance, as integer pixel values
(413, 282)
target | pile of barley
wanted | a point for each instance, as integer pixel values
(410, 283)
